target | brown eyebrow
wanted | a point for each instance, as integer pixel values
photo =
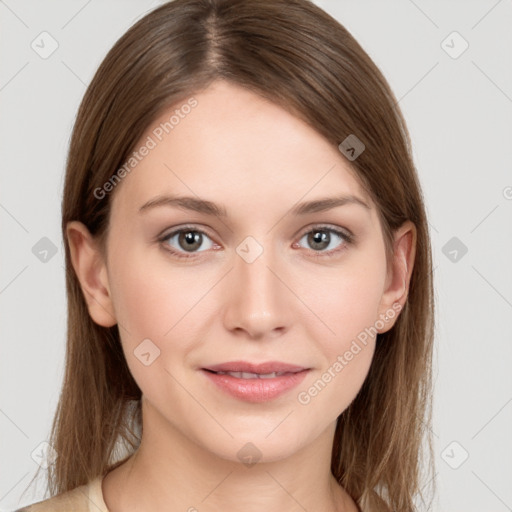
(187, 203)
(209, 208)
(321, 205)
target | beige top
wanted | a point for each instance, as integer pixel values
(86, 498)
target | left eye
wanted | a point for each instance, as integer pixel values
(322, 239)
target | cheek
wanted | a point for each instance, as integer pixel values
(345, 300)
(150, 294)
(346, 303)
(347, 351)
(147, 307)
(143, 301)
(157, 302)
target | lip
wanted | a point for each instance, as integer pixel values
(244, 366)
(256, 390)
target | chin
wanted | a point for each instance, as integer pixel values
(257, 448)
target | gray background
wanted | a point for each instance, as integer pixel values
(459, 113)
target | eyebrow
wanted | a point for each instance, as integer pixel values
(209, 208)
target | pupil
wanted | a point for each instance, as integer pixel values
(320, 238)
(192, 239)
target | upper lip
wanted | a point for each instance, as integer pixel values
(261, 368)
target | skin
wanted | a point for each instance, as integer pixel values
(257, 160)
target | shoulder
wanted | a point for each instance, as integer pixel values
(77, 500)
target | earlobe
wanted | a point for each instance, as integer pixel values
(397, 290)
(90, 268)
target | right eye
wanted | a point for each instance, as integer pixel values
(185, 240)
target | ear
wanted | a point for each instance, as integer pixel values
(399, 275)
(91, 271)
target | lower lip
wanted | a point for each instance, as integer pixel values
(256, 390)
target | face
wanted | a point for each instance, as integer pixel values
(268, 279)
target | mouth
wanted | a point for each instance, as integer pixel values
(255, 382)
(267, 368)
(249, 375)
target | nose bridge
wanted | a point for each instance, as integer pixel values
(252, 269)
(257, 302)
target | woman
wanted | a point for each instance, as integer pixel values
(249, 276)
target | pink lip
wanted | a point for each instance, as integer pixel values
(256, 390)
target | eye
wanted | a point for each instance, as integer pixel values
(324, 240)
(186, 240)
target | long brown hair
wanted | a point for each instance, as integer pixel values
(296, 55)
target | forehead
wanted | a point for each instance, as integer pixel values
(235, 146)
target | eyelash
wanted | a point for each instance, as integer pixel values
(348, 239)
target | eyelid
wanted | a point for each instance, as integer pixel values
(328, 227)
(168, 232)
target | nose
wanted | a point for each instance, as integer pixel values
(257, 304)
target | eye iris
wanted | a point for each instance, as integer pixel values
(193, 240)
(321, 238)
